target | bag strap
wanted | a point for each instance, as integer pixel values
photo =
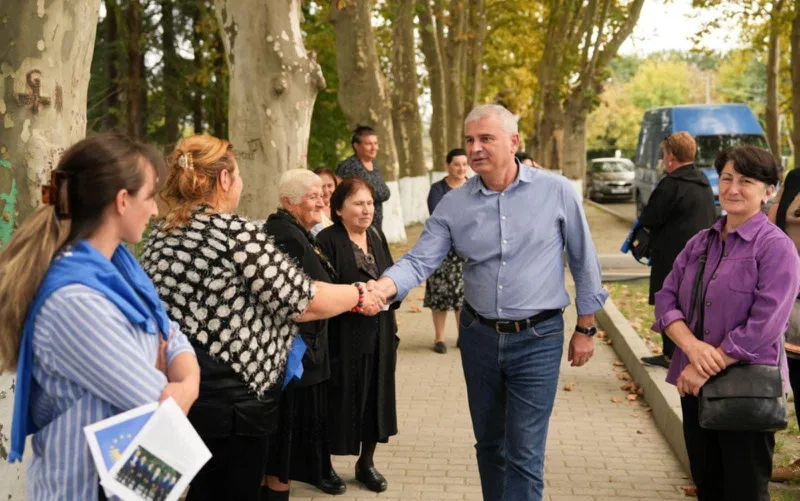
(698, 294)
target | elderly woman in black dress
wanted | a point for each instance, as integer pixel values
(361, 391)
(444, 290)
(299, 447)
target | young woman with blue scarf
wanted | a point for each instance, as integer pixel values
(81, 322)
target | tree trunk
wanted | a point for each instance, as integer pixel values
(221, 86)
(455, 58)
(414, 182)
(575, 147)
(111, 105)
(44, 81)
(270, 117)
(135, 83)
(197, 50)
(474, 71)
(365, 100)
(773, 71)
(433, 63)
(170, 73)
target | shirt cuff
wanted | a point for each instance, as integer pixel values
(588, 305)
(179, 344)
(402, 286)
(668, 318)
(733, 350)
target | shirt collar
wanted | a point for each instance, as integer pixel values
(747, 231)
(525, 174)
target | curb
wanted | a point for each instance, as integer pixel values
(660, 395)
(609, 211)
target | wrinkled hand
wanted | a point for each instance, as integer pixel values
(705, 358)
(690, 381)
(581, 349)
(373, 303)
(184, 394)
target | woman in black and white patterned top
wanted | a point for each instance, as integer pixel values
(237, 298)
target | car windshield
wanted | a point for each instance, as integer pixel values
(708, 147)
(611, 167)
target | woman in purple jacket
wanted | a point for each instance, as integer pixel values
(751, 280)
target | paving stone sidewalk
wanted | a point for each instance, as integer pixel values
(597, 449)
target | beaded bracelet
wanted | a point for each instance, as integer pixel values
(362, 293)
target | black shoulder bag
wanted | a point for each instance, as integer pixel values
(743, 397)
(640, 244)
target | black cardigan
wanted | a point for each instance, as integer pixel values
(293, 241)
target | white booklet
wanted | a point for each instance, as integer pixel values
(150, 453)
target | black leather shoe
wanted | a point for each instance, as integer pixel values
(657, 361)
(333, 485)
(371, 478)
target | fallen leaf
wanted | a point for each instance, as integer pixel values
(689, 492)
(640, 392)
(414, 309)
(617, 363)
(609, 341)
(624, 376)
(639, 432)
(632, 396)
(569, 386)
(630, 386)
(616, 400)
(600, 335)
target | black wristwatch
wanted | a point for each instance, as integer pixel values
(589, 331)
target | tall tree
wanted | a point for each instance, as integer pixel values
(45, 64)
(364, 96)
(474, 55)
(455, 54)
(773, 78)
(434, 65)
(414, 179)
(112, 102)
(269, 118)
(795, 65)
(198, 10)
(170, 72)
(135, 95)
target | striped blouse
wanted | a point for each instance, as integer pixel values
(89, 363)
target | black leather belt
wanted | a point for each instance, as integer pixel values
(512, 326)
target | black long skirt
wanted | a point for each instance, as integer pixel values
(300, 448)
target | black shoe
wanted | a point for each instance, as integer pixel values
(333, 485)
(371, 478)
(440, 347)
(658, 361)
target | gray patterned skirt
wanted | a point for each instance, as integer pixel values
(444, 290)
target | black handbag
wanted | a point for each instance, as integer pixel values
(640, 244)
(742, 397)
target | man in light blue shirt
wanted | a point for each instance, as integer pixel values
(512, 223)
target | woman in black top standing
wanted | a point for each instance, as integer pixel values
(444, 290)
(361, 391)
(299, 448)
(363, 165)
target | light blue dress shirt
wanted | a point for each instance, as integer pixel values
(514, 242)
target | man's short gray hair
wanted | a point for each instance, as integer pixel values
(508, 121)
(295, 184)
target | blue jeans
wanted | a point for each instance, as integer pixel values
(512, 381)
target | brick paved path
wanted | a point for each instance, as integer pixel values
(597, 450)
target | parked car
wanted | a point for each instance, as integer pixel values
(715, 127)
(610, 179)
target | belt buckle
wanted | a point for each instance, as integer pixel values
(506, 322)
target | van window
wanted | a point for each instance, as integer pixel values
(708, 147)
(611, 167)
(642, 152)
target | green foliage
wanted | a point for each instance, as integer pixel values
(329, 141)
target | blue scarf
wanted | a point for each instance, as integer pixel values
(121, 280)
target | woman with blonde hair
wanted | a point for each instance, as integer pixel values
(237, 296)
(81, 322)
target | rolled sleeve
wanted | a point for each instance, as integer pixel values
(667, 319)
(774, 296)
(424, 258)
(178, 343)
(584, 264)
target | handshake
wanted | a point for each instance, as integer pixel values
(376, 298)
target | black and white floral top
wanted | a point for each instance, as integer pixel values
(232, 291)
